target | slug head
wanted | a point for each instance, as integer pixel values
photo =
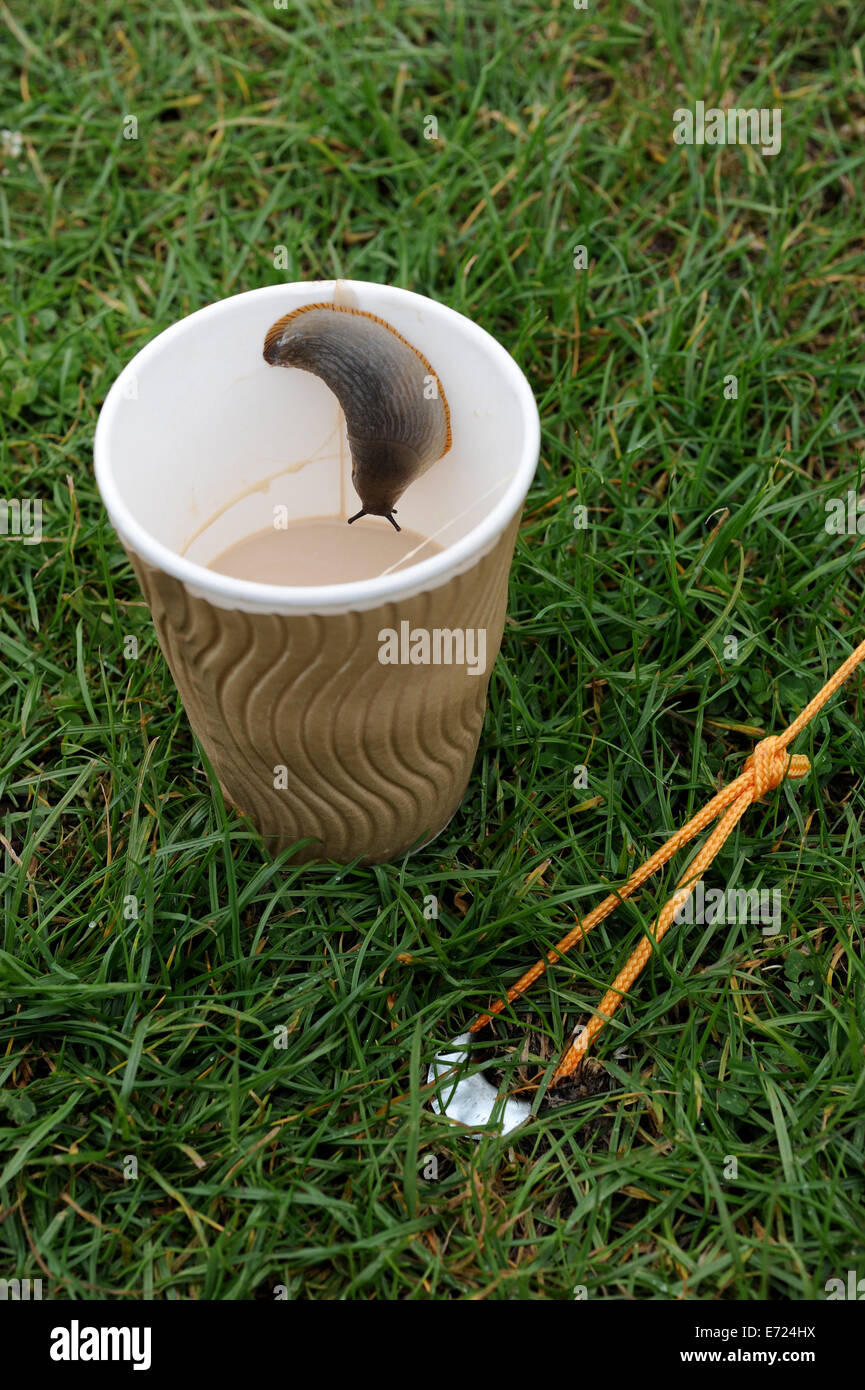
(380, 473)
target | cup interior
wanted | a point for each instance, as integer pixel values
(200, 440)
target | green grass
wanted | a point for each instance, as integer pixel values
(154, 1037)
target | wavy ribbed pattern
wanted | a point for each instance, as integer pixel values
(378, 757)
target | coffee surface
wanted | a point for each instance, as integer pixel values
(323, 550)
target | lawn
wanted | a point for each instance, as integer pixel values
(212, 1061)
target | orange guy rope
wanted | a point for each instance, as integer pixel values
(765, 769)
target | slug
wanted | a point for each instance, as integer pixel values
(396, 414)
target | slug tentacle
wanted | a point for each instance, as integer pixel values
(396, 414)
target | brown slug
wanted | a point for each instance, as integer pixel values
(398, 422)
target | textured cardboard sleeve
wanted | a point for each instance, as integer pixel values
(377, 757)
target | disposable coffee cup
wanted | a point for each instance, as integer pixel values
(342, 718)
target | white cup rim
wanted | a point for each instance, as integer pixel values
(227, 592)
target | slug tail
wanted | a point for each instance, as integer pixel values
(272, 341)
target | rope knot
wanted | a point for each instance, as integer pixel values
(772, 763)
